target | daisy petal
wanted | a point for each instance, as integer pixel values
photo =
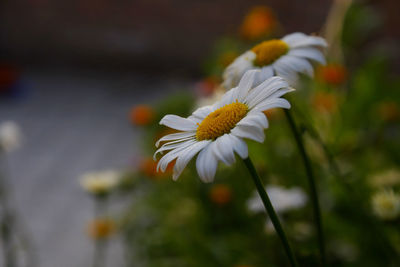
(266, 73)
(178, 123)
(296, 65)
(226, 99)
(250, 132)
(206, 164)
(174, 144)
(264, 90)
(185, 156)
(235, 71)
(273, 103)
(175, 136)
(281, 92)
(245, 84)
(170, 156)
(290, 76)
(239, 146)
(308, 52)
(308, 41)
(202, 112)
(294, 37)
(257, 118)
(224, 150)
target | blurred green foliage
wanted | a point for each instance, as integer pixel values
(352, 133)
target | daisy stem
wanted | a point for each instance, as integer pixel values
(99, 251)
(312, 184)
(270, 209)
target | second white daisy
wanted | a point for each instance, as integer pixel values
(217, 131)
(286, 57)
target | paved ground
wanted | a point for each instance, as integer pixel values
(72, 122)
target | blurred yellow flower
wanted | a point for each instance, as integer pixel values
(221, 194)
(386, 204)
(141, 115)
(389, 177)
(259, 22)
(101, 228)
(334, 74)
(101, 182)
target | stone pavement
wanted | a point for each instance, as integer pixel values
(73, 122)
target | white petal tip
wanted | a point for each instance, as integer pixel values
(207, 181)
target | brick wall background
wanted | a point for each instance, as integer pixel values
(155, 34)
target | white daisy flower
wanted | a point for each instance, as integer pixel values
(10, 136)
(100, 182)
(386, 204)
(282, 199)
(286, 57)
(217, 131)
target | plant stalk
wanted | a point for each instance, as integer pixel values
(271, 212)
(311, 181)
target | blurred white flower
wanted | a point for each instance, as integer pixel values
(386, 204)
(10, 136)
(101, 182)
(282, 199)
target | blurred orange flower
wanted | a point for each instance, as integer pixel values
(149, 168)
(334, 74)
(141, 115)
(207, 86)
(258, 22)
(101, 228)
(272, 113)
(8, 76)
(389, 111)
(325, 102)
(221, 194)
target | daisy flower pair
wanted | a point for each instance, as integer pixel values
(258, 78)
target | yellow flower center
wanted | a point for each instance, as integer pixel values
(269, 51)
(221, 121)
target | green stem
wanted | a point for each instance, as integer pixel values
(311, 181)
(6, 231)
(271, 212)
(99, 253)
